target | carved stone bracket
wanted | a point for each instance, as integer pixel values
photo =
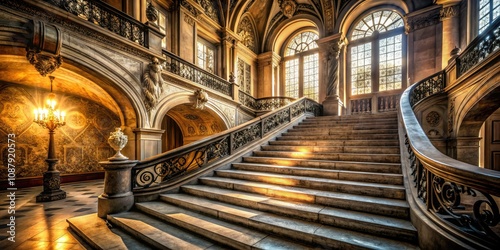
(152, 84)
(44, 47)
(151, 13)
(201, 99)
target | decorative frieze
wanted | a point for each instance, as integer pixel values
(421, 21)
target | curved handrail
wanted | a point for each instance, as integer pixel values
(153, 171)
(441, 182)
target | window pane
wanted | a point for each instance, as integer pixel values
(302, 42)
(311, 66)
(390, 63)
(489, 10)
(292, 78)
(361, 69)
(205, 57)
(380, 21)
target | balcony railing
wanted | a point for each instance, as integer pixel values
(378, 103)
(427, 87)
(191, 72)
(105, 16)
(480, 48)
(263, 104)
(178, 162)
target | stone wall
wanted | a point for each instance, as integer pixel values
(80, 144)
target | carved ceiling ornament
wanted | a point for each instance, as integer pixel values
(44, 47)
(247, 33)
(210, 9)
(152, 84)
(288, 7)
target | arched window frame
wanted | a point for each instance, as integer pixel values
(375, 39)
(300, 57)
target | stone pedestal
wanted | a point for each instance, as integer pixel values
(117, 196)
(332, 106)
(51, 187)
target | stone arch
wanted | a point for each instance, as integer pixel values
(279, 35)
(481, 102)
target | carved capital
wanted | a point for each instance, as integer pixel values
(448, 12)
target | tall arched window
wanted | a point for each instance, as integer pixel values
(489, 10)
(376, 53)
(301, 66)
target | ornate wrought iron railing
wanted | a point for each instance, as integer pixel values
(191, 72)
(460, 197)
(178, 162)
(105, 16)
(480, 48)
(263, 104)
(427, 87)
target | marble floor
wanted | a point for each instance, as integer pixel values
(43, 225)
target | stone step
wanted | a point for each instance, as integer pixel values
(310, 233)
(362, 203)
(394, 179)
(369, 117)
(334, 149)
(335, 131)
(98, 235)
(346, 143)
(351, 187)
(387, 158)
(357, 221)
(284, 136)
(222, 232)
(159, 234)
(357, 126)
(394, 168)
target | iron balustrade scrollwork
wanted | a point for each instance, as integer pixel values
(463, 196)
(480, 48)
(197, 155)
(191, 72)
(427, 87)
(247, 100)
(105, 16)
(263, 104)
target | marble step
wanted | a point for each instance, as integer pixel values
(335, 131)
(344, 186)
(394, 168)
(345, 143)
(158, 234)
(334, 149)
(387, 115)
(358, 126)
(363, 203)
(310, 233)
(222, 232)
(374, 177)
(358, 221)
(340, 136)
(98, 235)
(386, 158)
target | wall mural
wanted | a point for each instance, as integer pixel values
(80, 144)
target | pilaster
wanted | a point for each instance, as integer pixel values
(148, 142)
(267, 79)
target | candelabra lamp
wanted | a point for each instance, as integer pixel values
(50, 118)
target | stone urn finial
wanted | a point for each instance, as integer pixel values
(117, 140)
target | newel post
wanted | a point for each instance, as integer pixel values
(117, 196)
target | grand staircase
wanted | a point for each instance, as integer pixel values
(330, 182)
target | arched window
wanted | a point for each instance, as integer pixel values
(376, 53)
(301, 66)
(489, 10)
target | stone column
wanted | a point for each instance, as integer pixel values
(148, 142)
(267, 62)
(227, 55)
(330, 48)
(451, 24)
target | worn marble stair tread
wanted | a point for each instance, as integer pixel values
(345, 143)
(348, 126)
(334, 131)
(159, 234)
(339, 137)
(98, 235)
(304, 231)
(334, 149)
(358, 221)
(374, 189)
(327, 164)
(386, 158)
(378, 205)
(223, 232)
(373, 177)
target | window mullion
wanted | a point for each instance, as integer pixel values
(375, 66)
(301, 76)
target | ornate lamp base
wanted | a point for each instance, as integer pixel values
(51, 187)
